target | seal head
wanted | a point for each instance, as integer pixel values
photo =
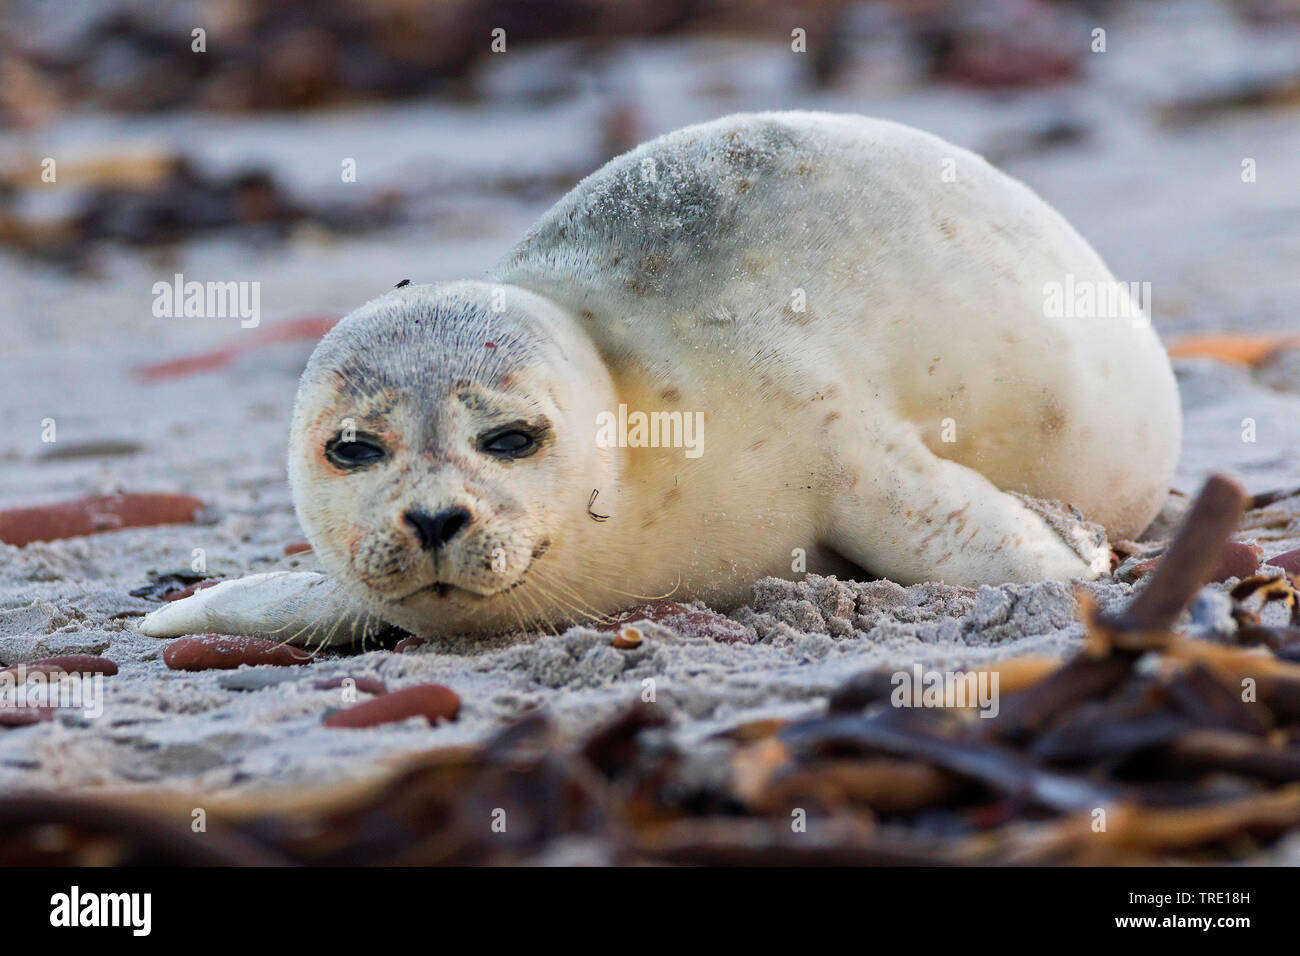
(440, 455)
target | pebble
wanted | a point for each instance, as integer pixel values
(67, 664)
(25, 716)
(1238, 561)
(367, 685)
(627, 638)
(228, 651)
(71, 519)
(434, 702)
(254, 679)
(1288, 561)
(189, 591)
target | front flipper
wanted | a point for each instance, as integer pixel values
(295, 607)
(912, 516)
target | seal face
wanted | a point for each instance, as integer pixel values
(850, 352)
(431, 452)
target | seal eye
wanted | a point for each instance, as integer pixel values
(508, 443)
(358, 453)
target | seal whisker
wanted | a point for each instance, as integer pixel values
(530, 623)
(302, 628)
(590, 613)
(371, 626)
(328, 639)
(597, 582)
(540, 619)
(558, 601)
(513, 605)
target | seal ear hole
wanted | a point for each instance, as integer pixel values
(360, 451)
(516, 440)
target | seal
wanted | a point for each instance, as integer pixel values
(768, 344)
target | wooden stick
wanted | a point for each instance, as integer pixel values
(1190, 561)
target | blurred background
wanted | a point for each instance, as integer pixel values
(327, 150)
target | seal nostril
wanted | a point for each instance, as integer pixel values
(452, 520)
(436, 530)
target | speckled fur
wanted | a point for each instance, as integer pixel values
(924, 302)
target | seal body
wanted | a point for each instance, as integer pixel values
(865, 313)
(855, 317)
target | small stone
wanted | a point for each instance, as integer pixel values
(227, 651)
(189, 591)
(434, 702)
(70, 519)
(68, 664)
(25, 716)
(627, 638)
(1237, 561)
(253, 679)
(367, 685)
(1288, 561)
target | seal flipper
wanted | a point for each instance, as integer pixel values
(298, 607)
(945, 522)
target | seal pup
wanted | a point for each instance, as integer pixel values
(854, 313)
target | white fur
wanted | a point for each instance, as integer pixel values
(676, 271)
(288, 605)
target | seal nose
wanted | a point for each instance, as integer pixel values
(434, 531)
